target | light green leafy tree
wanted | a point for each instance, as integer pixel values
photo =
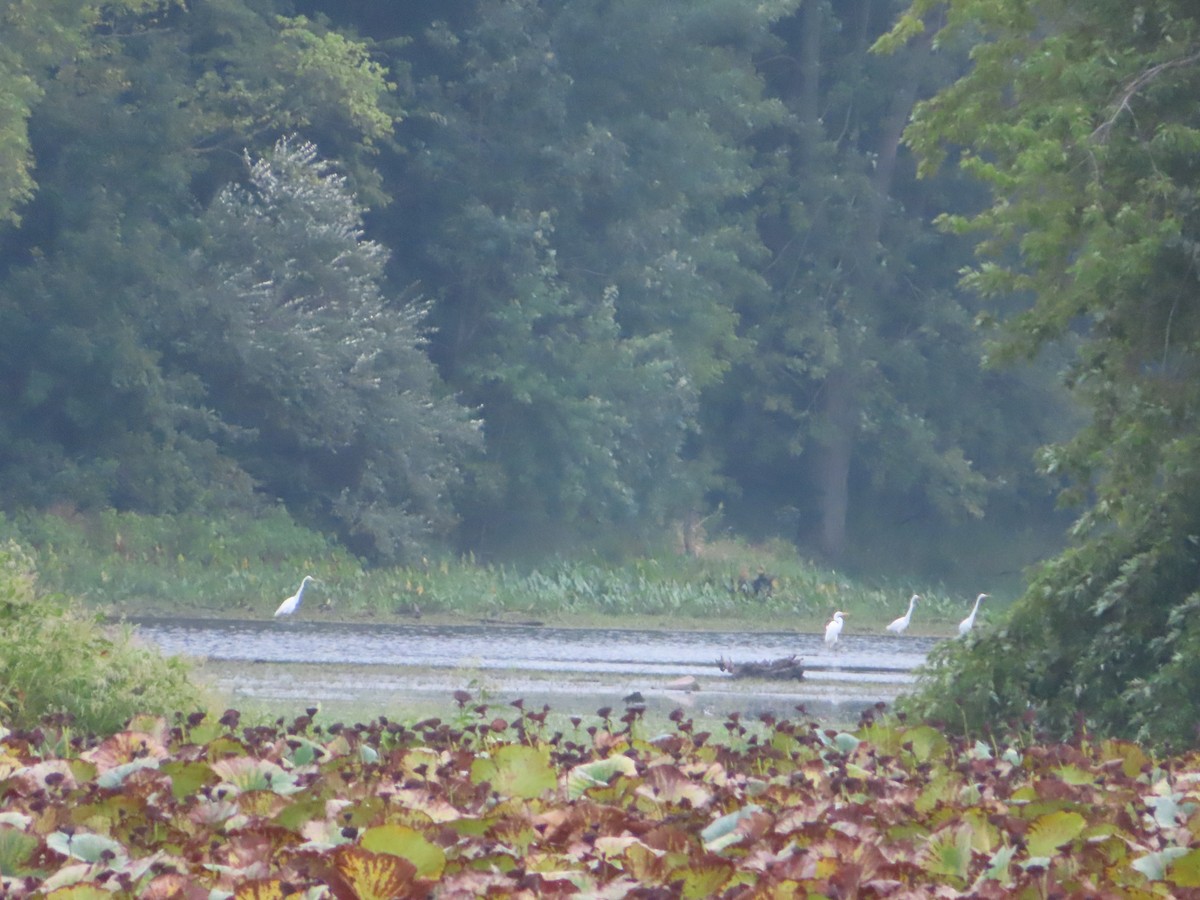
(320, 381)
(1082, 122)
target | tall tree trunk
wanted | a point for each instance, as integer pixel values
(809, 72)
(840, 400)
(832, 475)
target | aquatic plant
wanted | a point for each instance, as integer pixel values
(243, 564)
(497, 803)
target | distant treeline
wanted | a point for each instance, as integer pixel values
(502, 276)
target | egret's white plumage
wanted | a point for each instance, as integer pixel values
(834, 629)
(292, 603)
(969, 622)
(898, 625)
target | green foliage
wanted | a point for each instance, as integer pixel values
(351, 81)
(57, 659)
(36, 39)
(609, 413)
(245, 564)
(1105, 639)
(501, 804)
(178, 565)
(319, 380)
(864, 410)
(130, 137)
(589, 250)
(1080, 124)
(636, 273)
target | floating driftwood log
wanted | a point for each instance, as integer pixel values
(783, 669)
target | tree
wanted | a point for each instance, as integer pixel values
(581, 171)
(320, 382)
(863, 408)
(1081, 122)
(37, 41)
(141, 116)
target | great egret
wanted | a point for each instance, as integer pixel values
(969, 622)
(292, 603)
(901, 623)
(834, 629)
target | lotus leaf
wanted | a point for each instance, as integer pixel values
(515, 770)
(409, 844)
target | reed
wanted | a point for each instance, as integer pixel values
(243, 565)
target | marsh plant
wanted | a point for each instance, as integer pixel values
(56, 658)
(244, 564)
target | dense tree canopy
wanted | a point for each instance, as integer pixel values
(673, 257)
(864, 416)
(1083, 123)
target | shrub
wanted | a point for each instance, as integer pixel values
(57, 659)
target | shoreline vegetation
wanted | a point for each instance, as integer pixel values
(126, 565)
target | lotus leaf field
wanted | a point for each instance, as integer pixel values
(499, 803)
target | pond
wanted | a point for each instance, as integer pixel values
(403, 669)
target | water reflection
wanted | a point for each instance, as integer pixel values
(574, 670)
(883, 656)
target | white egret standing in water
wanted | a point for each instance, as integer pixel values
(292, 603)
(901, 623)
(969, 622)
(834, 629)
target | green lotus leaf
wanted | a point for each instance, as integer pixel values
(597, 774)
(115, 777)
(706, 877)
(66, 884)
(997, 869)
(303, 810)
(1133, 758)
(1053, 830)
(844, 742)
(245, 773)
(1184, 870)
(407, 843)
(948, 853)
(926, 742)
(1155, 865)
(307, 752)
(1075, 775)
(16, 847)
(1168, 810)
(724, 831)
(86, 846)
(515, 770)
(187, 777)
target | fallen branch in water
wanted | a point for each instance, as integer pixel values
(782, 669)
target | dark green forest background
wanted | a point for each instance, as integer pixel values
(516, 278)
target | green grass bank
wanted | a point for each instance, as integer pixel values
(123, 564)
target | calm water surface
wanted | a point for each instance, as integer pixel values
(390, 666)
